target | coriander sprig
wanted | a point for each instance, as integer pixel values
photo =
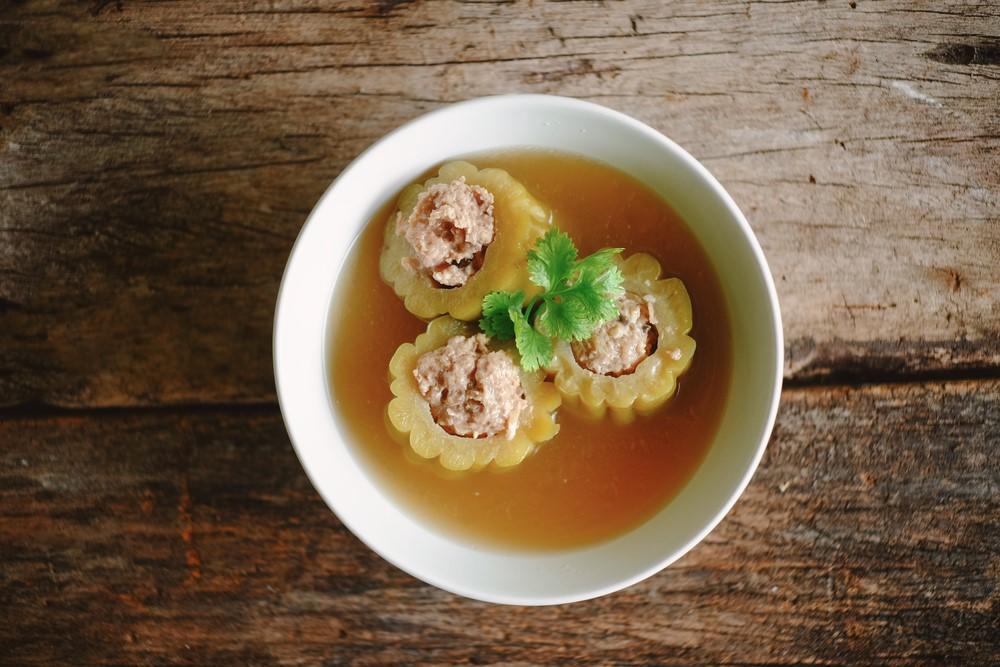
(577, 296)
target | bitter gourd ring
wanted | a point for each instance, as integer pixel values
(410, 416)
(519, 219)
(654, 380)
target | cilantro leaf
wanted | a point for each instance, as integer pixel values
(594, 306)
(496, 321)
(564, 318)
(552, 259)
(534, 346)
(609, 282)
(598, 262)
(577, 296)
(601, 290)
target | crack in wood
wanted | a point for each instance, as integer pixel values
(160, 198)
(966, 54)
(867, 536)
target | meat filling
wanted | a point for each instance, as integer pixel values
(472, 392)
(449, 230)
(618, 346)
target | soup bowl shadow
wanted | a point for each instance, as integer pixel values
(320, 440)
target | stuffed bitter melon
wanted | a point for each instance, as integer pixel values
(645, 381)
(515, 221)
(412, 416)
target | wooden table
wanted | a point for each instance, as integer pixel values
(157, 159)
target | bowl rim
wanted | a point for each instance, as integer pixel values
(748, 237)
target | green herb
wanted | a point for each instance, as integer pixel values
(577, 296)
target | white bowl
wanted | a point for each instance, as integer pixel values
(300, 332)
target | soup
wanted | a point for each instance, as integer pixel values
(596, 479)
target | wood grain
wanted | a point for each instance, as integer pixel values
(158, 158)
(869, 536)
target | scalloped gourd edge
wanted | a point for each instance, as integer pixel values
(410, 416)
(655, 378)
(520, 220)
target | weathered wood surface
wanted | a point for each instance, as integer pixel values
(868, 537)
(158, 158)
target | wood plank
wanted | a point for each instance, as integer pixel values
(158, 159)
(868, 536)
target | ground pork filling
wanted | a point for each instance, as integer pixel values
(449, 230)
(618, 346)
(472, 392)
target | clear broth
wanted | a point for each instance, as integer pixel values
(594, 480)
